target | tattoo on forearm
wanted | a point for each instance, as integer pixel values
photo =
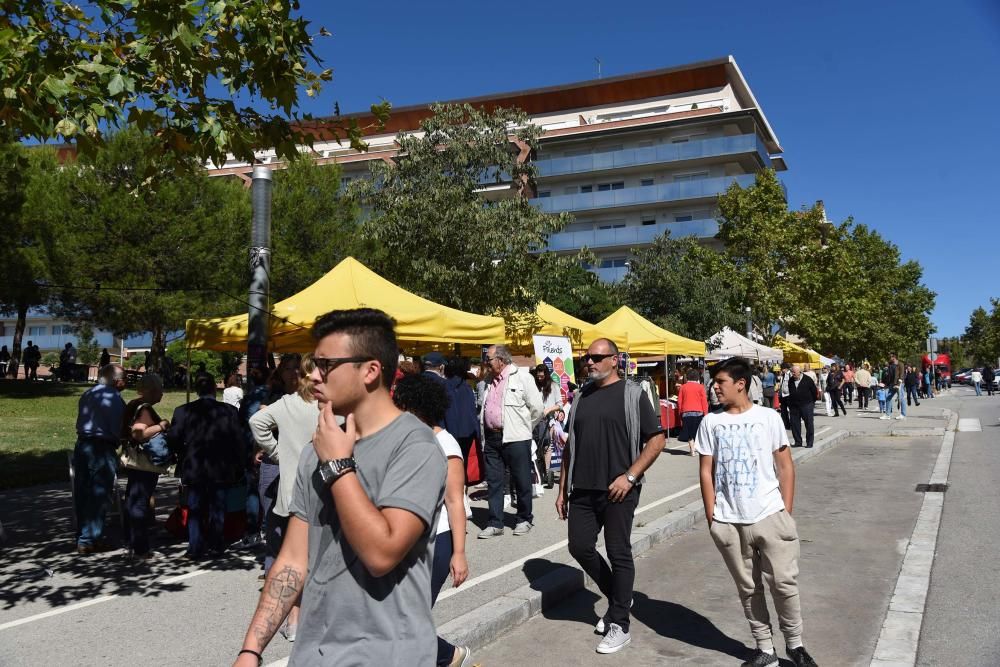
(280, 594)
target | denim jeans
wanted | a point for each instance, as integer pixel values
(138, 492)
(440, 569)
(516, 455)
(890, 398)
(206, 518)
(267, 489)
(94, 465)
(979, 388)
(911, 393)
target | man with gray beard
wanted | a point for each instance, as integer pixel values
(614, 436)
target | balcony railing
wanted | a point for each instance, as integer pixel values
(637, 196)
(656, 154)
(631, 236)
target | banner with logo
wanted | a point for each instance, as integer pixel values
(556, 352)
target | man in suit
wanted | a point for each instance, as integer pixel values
(213, 453)
(802, 395)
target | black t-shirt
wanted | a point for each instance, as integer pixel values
(602, 450)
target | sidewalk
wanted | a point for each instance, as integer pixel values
(687, 610)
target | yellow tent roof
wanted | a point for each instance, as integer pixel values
(645, 338)
(550, 321)
(795, 354)
(350, 284)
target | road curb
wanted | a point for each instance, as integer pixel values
(483, 625)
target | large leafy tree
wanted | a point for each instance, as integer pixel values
(982, 335)
(193, 73)
(433, 230)
(566, 285)
(141, 253)
(680, 285)
(312, 227)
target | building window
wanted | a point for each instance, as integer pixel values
(683, 218)
(648, 221)
(571, 190)
(544, 193)
(613, 262)
(36, 331)
(690, 177)
(62, 330)
(617, 185)
(646, 182)
(616, 225)
(586, 188)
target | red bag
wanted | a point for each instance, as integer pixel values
(473, 466)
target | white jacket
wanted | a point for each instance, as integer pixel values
(522, 406)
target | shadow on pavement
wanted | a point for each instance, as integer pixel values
(676, 621)
(39, 563)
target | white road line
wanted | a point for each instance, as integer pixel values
(97, 600)
(969, 424)
(667, 499)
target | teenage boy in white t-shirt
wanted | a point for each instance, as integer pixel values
(748, 486)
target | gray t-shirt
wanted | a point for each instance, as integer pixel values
(350, 617)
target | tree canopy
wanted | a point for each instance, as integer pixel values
(192, 73)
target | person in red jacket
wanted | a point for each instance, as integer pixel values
(692, 404)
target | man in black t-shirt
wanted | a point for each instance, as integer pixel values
(614, 436)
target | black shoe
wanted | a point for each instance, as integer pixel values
(808, 446)
(760, 659)
(800, 657)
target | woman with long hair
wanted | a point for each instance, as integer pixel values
(282, 430)
(427, 399)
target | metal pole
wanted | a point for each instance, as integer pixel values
(749, 325)
(260, 268)
(187, 376)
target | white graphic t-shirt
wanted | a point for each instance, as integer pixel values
(743, 445)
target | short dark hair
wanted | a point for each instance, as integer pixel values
(692, 374)
(737, 368)
(423, 396)
(372, 334)
(457, 367)
(204, 384)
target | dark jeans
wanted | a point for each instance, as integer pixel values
(94, 465)
(589, 512)
(799, 414)
(138, 492)
(516, 455)
(848, 393)
(837, 402)
(784, 412)
(206, 518)
(254, 517)
(276, 527)
(911, 391)
(267, 489)
(864, 395)
(440, 568)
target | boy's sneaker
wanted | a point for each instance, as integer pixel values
(489, 531)
(602, 622)
(885, 417)
(800, 657)
(760, 659)
(522, 528)
(615, 640)
(900, 416)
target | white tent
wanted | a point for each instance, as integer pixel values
(825, 360)
(727, 343)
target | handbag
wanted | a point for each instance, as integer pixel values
(153, 455)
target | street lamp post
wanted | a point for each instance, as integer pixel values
(749, 324)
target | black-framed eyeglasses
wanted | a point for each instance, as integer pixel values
(326, 364)
(596, 358)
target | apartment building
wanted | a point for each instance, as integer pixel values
(629, 156)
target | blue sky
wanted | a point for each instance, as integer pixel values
(887, 111)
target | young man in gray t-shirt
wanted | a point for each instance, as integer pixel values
(358, 546)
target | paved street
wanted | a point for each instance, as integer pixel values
(689, 614)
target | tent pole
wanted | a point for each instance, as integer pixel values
(666, 390)
(187, 375)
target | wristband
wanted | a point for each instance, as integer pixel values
(260, 658)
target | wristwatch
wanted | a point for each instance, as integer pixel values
(631, 478)
(330, 471)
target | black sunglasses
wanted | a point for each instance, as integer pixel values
(596, 358)
(326, 364)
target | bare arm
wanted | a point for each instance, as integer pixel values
(145, 428)
(281, 590)
(786, 476)
(706, 474)
(454, 502)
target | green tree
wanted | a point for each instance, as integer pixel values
(191, 73)
(87, 350)
(566, 285)
(313, 226)
(677, 284)
(23, 263)
(218, 364)
(432, 230)
(140, 254)
(982, 335)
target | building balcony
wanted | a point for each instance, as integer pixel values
(704, 189)
(629, 237)
(657, 154)
(611, 274)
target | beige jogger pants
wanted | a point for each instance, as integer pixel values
(770, 548)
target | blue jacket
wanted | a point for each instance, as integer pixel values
(462, 417)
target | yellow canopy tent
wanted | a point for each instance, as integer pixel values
(350, 284)
(550, 321)
(645, 338)
(795, 354)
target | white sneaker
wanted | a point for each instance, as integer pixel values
(900, 416)
(489, 531)
(599, 628)
(885, 417)
(615, 640)
(522, 528)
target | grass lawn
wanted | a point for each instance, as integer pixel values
(38, 428)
